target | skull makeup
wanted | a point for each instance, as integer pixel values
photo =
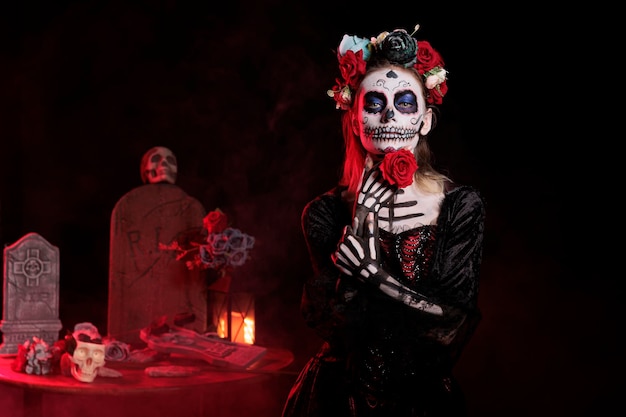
(391, 113)
(159, 165)
(87, 359)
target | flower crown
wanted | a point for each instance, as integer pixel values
(398, 47)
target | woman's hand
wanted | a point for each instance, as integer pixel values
(357, 254)
(375, 192)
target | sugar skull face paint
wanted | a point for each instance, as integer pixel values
(391, 111)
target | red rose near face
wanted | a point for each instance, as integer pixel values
(215, 222)
(398, 168)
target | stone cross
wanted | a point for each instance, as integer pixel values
(31, 293)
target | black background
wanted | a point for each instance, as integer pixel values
(238, 92)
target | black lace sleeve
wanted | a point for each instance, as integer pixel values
(323, 220)
(458, 253)
(454, 278)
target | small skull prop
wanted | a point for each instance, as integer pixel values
(87, 359)
(159, 165)
(89, 354)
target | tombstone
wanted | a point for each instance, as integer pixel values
(31, 293)
(145, 282)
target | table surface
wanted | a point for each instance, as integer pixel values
(135, 380)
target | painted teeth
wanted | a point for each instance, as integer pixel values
(392, 136)
(386, 133)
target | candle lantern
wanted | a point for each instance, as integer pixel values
(233, 315)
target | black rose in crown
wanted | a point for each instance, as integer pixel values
(399, 47)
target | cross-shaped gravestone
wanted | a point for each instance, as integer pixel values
(31, 293)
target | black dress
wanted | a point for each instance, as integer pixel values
(380, 357)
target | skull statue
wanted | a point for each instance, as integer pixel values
(87, 359)
(159, 165)
(89, 353)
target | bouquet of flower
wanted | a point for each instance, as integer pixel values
(222, 246)
(36, 357)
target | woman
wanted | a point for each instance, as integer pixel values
(396, 247)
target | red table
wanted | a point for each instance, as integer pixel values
(258, 391)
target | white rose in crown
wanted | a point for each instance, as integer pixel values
(434, 77)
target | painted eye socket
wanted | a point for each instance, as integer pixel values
(374, 102)
(406, 102)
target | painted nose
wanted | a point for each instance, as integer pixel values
(388, 115)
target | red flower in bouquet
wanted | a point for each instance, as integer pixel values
(215, 221)
(399, 167)
(220, 247)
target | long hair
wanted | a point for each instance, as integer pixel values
(426, 176)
